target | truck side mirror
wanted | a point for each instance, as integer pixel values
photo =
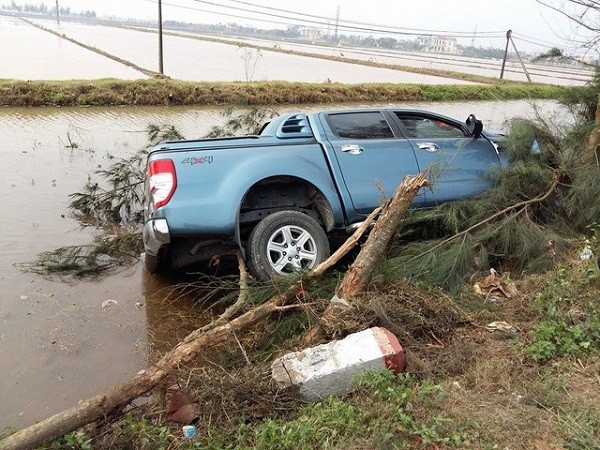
(474, 126)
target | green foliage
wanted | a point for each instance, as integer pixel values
(139, 434)
(116, 209)
(162, 133)
(243, 123)
(386, 411)
(570, 319)
(581, 200)
(107, 252)
(582, 428)
(72, 441)
(552, 53)
(583, 102)
(523, 224)
(110, 92)
(119, 195)
(377, 416)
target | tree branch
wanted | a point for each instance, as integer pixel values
(555, 180)
(591, 5)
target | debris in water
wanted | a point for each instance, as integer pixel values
(109, 303)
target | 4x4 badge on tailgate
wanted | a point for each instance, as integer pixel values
(194, 161)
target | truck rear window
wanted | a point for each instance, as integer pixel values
(360, 125)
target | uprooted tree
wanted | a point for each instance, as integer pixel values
(543, 200)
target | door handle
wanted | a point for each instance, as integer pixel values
(429, 146)
(352, 149)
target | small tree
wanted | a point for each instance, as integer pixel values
(250, 57)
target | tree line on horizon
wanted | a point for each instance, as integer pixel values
(42, 8)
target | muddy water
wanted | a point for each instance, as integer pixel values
(33, 54)
(57, 344)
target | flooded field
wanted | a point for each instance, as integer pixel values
(34, 54)
(184, 59)
(540, 73)
(57, 343)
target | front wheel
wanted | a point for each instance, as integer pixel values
(286, 242)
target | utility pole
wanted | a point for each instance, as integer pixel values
(160, 39)
(520, 60)
(337, 21)
(508, 33)
(57, 14)
(509, 39)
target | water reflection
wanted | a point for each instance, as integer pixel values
(177, 304)
(174, 308)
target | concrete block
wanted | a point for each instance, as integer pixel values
(333, 368)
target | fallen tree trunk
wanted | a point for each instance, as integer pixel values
(116, 398)
(360, 272)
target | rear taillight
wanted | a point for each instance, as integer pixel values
(162, 181)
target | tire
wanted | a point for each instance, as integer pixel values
(284, 243)
(151, 263)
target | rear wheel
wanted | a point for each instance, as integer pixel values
(286, 242)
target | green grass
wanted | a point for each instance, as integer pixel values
(110, 92)
(569, 315)
(386, 412)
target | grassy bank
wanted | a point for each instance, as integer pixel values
(110, 92)
(467, 387)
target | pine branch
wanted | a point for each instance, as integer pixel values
(522, 205)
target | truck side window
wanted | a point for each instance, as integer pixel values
(362, 125)
(418, 127)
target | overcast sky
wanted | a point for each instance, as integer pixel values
(529, 20)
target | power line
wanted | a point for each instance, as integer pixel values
(369, 24)
(529, 41)
(235, 16)
(535, 41)
(325, 26)
(343, 25)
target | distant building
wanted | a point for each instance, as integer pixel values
(311, 34)
(443, 44)
(584, 60)
(425, 41)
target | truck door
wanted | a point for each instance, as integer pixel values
(371, 157)
(459, 164)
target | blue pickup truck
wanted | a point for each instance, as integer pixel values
(277, 196)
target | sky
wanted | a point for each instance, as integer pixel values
(536, 27)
